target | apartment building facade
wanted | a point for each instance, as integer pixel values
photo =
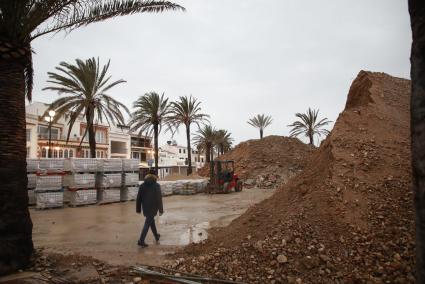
(111, 141)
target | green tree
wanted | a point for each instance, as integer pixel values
(223, 141)
(22, 21)
(309, 126)
(417, 130)
(185, 111)
(205, 138)
(151, 113)
(260, 121)
(86, 83)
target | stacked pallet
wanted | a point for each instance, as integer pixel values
(110, 180)
(130, 187)
(32, 168)
(81, 181)
(188, 188)
(49, 183)
(166, 187)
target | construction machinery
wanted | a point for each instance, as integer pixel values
(223, 178)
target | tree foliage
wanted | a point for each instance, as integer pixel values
(309, 125)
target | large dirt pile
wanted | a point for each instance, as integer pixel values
(347, 218)
(267, 162)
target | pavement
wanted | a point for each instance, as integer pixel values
(110, 232)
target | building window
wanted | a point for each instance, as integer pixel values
(28, 152)
(184, 151)
(101, 154)
(202, 160)
(135, 155)
(55, 153)
(100, 137)
(65, 153)
(60, 153)
(43, 132)
(28, 135)
(43, 153)
(71, 153)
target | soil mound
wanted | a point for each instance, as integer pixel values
(267, 162)
(346, 218)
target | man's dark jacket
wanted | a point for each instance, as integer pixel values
(149, 197)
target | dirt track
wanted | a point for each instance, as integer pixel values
(110, 232)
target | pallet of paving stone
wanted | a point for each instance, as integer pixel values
(130, 165)
(82, 197)
(111, 180)
(166, 188)
(106, 196)
(129, 193)
(81, 165)
(131, 179)
(31, 197)
(32, 165)
(48, 183)
(80, 180)
(45, 200)
(51, 166)
(32, 181)
(109, 165)
(188, 188)
(177, 187)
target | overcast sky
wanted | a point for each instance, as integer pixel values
(241, 58)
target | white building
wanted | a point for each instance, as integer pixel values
(111, 141)
(173, 154)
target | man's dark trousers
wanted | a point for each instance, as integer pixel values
(149, 223)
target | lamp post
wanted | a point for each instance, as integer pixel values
(49, 119)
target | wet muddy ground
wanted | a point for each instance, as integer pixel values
(110, 232)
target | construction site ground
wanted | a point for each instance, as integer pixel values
(110, 232)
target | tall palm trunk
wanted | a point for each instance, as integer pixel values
(189, 150)
(417, 110)
(261, 133)
(91, 132)
(16, 244)
(156, 154)
(208, 154)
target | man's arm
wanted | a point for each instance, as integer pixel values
(159, 198)
(139, 199)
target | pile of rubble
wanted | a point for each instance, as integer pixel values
(267, 162)
(347, 218)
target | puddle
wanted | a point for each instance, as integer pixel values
(195, 233)
(199, 232)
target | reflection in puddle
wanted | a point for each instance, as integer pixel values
(195, 234)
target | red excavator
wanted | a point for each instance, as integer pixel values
(223, 178)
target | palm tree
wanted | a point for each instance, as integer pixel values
(223, 141)
(86, 84)
(260, 121)
(308, 125)
(186, 111)
(150, 114)
(417, 74)
(205, 138)
(21, 22)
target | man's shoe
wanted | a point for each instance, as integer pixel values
(157, 237)
(143, 245)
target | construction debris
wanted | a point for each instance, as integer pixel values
(347, 218)
(267, 162)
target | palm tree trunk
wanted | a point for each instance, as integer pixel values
(417, 109)
(91, 132)
(261, 133)
(189, 150)
(156, 154)
(310, 137)
(208, 154)
(16, 246)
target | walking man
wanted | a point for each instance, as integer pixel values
(149, 199)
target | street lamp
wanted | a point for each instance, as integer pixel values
(49, 119)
